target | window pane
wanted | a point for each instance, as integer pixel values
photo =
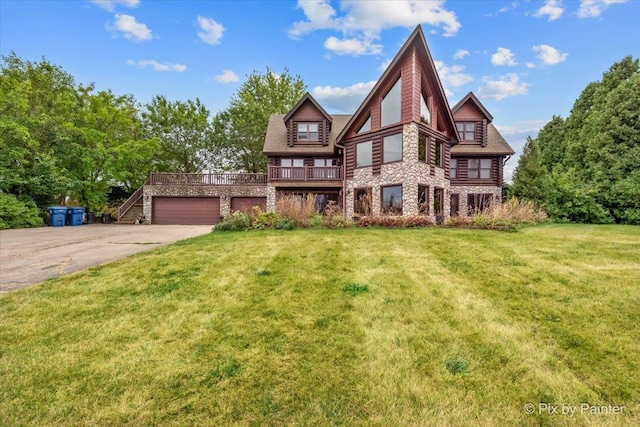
(298, 163)
(392, 200)
(362, 201)
(392, 148)
(485, 163)
(485, 173)
(366, 127)
(473, 164)
(391, 105)
(438, 159)
(425, 114)
(364, 154)
(286, 162)
(454, 168)
(422, 147)
(460, 127)
(313, 127)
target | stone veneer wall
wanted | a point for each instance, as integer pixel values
(272, 205)
(410, 173)
(225, 192)
(465, 190)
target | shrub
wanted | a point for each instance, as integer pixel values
(17, 213)
(334, 216)
(298, 209)
(505, 215)
(394, 221)
(237, 221)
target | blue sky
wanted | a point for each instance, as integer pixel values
(525, 60)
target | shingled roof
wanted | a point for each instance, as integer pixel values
(275, 143)
(496, 145)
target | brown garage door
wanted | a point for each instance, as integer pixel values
(246, 203)
(186, 210)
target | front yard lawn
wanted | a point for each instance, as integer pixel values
(388, 327)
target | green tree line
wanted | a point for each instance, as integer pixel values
(62, 140)
(586, 168)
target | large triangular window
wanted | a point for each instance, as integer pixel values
(391, 105)
(425, 114)
(366, 126)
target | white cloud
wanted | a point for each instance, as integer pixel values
(461, 53)
(594, 8)
(111, 4)
(531, 65)
(452, 76)
(227, 76)
(131, 28)
(156, 65)
(503, 56)
(506, 86)
(552, 8)
(211, 31)
(363, 21)
(354, 47)
(385, 64)
(549, 55)
(342, 99)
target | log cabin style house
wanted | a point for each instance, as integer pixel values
(403, 152)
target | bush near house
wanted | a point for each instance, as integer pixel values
(17, 213)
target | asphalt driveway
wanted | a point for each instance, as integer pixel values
(29, 256)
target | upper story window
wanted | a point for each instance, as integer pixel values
(425, 114)
(453, 170)
(307, 132)
(364, 154)
(467, 130)
(366, 126)
(391, 105)
(423, 147)
(392, 148)
(479, 168)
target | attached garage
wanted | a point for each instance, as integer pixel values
(186, 210)
(246, 203)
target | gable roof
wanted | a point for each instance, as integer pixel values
(470, 97)
(417, 37)
(275, 142)
(496, 146)
(307, 97)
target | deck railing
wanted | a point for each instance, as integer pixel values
(305, 173)
(208, 179)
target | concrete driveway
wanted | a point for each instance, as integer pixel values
(29, 256)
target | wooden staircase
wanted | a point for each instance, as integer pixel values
(132, 208)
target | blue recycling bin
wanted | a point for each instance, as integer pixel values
(57, 216)
(74, 216)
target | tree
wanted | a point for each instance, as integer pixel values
(528, 177)
(241, 129)
(184, 132)
(587, 168)
(37, 100)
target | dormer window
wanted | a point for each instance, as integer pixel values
(467, 130)
(307, 132)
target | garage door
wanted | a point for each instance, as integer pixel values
(186, 210)
(246, 203)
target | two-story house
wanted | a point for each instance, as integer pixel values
(403, 152)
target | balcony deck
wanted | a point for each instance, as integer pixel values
(308, 174)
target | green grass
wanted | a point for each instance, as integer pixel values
(334, 327)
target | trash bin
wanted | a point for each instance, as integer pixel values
(89, 218)
(106, 218)
(57, 216)
(74, 215)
